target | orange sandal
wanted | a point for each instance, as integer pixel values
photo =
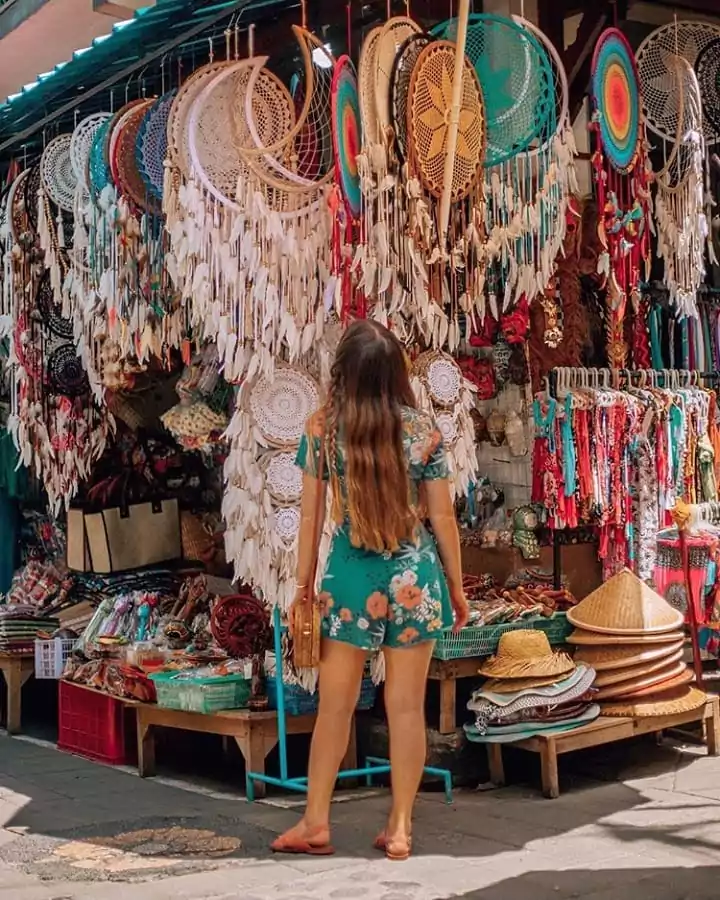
(394, 850)
(297, 846)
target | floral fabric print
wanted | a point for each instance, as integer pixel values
(372, 599)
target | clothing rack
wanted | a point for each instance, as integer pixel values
(564, 378)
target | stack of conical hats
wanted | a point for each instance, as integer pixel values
(634, 640)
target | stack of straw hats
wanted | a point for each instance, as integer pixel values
(531, 690)
(634, 640)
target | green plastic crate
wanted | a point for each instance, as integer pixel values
(482, 640)
(202, 695)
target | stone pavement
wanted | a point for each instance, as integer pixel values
(634, 818)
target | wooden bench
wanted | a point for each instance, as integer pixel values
(603, 731)
(16, 669)
(256, 734)
(447, 672)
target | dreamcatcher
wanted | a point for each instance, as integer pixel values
(524, 187)
(261, 505)
(443, 392)
(681, 223)
(262, 277)
(384, 257)
(621, 171)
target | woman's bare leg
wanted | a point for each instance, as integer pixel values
(341, 670)
(406, 672)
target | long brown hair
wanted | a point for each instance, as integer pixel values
(369, 386)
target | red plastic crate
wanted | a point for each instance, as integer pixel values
(91, 724)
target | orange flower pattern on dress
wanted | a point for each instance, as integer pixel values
(326, 602)
(408, 636)
(377, 605)
(409, 596)
(346, 615)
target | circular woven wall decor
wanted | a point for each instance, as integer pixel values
(400, 78)
(283, 478)
(152, 145)
(393, 35)
(58, 177)
(81, 144)
(130, 181)
(282, 406)
(429, 105)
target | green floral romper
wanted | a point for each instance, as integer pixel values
(382, 599)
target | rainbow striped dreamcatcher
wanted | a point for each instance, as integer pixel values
(621, 171)
(346, 200)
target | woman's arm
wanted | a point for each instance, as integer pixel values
(441, 513)
(312, 519)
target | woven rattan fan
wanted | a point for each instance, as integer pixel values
(658, 76)
(58, 178)
(429, 100)
(391, 38)
(517, 82)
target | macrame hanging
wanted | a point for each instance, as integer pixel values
(621, 171)
(679, 212)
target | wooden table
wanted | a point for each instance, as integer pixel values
(447, 673)
(256, 734)
(16, 668)
(603, 731)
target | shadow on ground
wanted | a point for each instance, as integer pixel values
(641, 884)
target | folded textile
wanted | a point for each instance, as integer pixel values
(514, 733)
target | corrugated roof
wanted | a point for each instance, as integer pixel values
(111, 56)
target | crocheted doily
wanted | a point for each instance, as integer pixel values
(98, 169)
(152, 145)
(286, 522)
(81, 144)
(58, 177)
(283, 479)
(442, 376)
(282, 406)
(114, 134)
(66, 373)
(447, 423)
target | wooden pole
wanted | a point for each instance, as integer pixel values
(454, 120)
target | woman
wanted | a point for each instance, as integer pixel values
(383, 588)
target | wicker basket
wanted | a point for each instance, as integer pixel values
(483, 640)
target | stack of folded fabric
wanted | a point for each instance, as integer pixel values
(20, 626)
(531, 690)
(634, 639)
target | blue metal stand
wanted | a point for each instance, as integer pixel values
(374, 766)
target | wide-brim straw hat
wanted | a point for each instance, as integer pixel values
(595, 639)
(620, 656)
(680, 680)
(649, 683)
(526, 654)
(625, 605)
(617, 676)
(668, 703)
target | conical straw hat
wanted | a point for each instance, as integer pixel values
(625, 605)
(595, 639)
(633, 686)
(680, 680)
(526, 654)
(617, 676)
(668, 703)
(606, 659)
